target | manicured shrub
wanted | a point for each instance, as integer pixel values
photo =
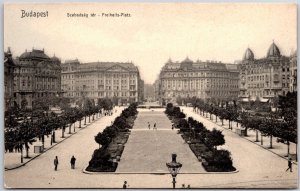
(214, 139)
(220, 160)
(202, 141)
(112, 141)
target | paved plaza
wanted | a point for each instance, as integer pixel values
(257, 167)
(150, 149)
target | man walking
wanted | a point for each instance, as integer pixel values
(289, 165)
(148, 125)
(73, 159)
(154, 126)
(125, 185)
(55, 163)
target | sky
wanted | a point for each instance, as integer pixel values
(153, 33)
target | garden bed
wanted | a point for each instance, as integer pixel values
(202, 142)
(112, 141)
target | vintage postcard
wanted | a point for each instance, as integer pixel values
(150, 95)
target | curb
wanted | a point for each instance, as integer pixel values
(7, 169)
(296, 163)
(155, 173)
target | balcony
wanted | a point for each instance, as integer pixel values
(269, 96)
(243, 96)
(276, 88)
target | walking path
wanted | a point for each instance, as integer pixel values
(277, 147)
(254, 163)
(81, 145)
(13, 160)
(148, 150)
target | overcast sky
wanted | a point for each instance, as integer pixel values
(154, 32)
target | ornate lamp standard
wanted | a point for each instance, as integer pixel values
(174, 168)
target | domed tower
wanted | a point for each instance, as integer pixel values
(273, 51)
(55, 59)
(186, 64)
(35, 54)
(248, 55)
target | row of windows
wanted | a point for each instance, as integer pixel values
(197, 86)
(202, 74)
(201, 93)
(39, 71)
(169, 81)
(258, 93)
(104, 94)
(117, 76)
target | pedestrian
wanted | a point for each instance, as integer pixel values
(289, 165)
(183, 186)
(73, 160)
(154, 126)
(55, 163)
(188, 186)
(125, 185)
(148, 125)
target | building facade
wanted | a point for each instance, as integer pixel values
(157, 87)
(200, 79)
(293, 70)
(9, 67)
(266, 78)
(119, 81)
(36, 75)
(68, 78)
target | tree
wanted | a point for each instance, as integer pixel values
(79, 115)
(215, 138)
(105, 103)
(40, 128)
(70, 116)
(102, 139)
(169, 109)
(24, 104)
(183, 125)
(110, 132)
(179, 100)
(223, 115)
(267, 128)
(121, 122)
(244, 121)
(10, 120)
(25, 136)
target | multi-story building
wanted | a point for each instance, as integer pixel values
(293, 70)
(264, 78)
(9, 67)
(118, 81)
(157, 87)
(208, 79)
(68, 77)
(141, 85)
(36, 75)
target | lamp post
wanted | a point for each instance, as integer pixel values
(174, 168)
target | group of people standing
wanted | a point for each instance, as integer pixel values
(73, 160)
(154, 126)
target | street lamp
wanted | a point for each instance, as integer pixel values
(174, 168)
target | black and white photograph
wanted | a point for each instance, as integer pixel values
(169, 95)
